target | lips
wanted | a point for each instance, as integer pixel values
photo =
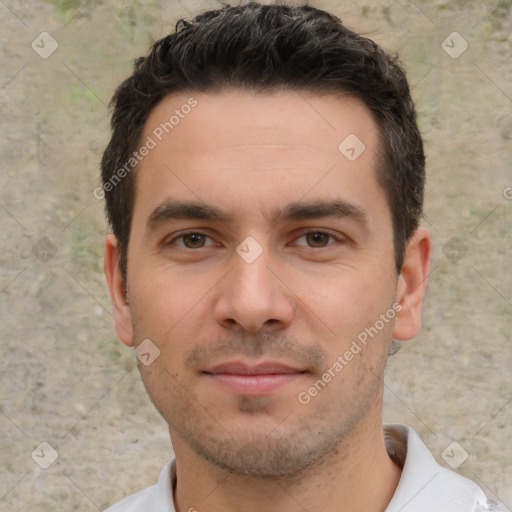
(253, 380)
(239, 368)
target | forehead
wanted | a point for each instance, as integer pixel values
(208, 144)
(235, 117)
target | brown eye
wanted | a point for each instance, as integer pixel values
(193, 240)
(317, 239)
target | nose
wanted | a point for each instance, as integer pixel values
(254, 297)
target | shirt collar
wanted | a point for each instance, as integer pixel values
(425, 485)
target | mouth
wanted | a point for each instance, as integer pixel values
(261, 379)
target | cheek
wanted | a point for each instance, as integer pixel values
(174, 321)
(345, 300)
(163, 387)
(166, 301)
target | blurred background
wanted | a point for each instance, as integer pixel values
(77, 429)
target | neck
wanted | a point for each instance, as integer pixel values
(358, 475)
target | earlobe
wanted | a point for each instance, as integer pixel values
(122, 313)
(412, 284)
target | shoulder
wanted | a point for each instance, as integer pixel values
(157, 498)
(425, 485)
(138, 502)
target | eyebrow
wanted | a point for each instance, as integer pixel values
(190, 210)
(321, 208)
(179, 210)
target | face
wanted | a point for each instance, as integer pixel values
(259, 253)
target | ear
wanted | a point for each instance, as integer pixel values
(412, 284)
(122, 314)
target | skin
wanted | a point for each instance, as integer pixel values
(301, 302)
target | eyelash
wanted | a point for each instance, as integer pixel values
(330, 235)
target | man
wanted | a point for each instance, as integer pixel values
(264, 183)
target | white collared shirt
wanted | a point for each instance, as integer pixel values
(424, 486)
